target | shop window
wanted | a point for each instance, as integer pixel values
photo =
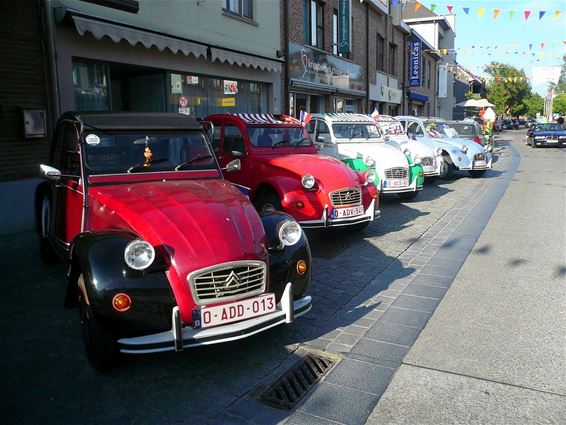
(90, 82)
(242, 8)
(233, 140)
(216, 137)
(392, 56)
(316, 24)
(380, 53)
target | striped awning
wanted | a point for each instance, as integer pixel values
(242, 59)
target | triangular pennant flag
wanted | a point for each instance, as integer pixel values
(511, 14)
(467, 10)
(432, 7)
(395, 3)
(480, 12)
(417, 6)
(445, 52)
(541, 14)
(527, 14)
(496, 13)
(557, 14)
(514, 46)
(449, 8)
(542, 45)
(530, 47)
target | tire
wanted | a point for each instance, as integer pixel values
(408, 196)
(46, 251)
(447, 170)
(477, 173)
(100, 345)
(268, 202)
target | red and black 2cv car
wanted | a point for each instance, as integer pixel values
(282, 170)
(163, 253)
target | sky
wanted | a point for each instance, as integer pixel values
(509, 34)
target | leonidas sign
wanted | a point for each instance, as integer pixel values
(315, 66)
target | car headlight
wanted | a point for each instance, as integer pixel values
(290, 233)
(406, 152)
(308, 181)
(540, 137)
(464, 149)
(562, 137)
(371, 176)
(418, 160)
(139, 254)
(370, 162)
(439, 151)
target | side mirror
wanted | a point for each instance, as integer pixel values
(49, 173)
(234, 165)
(237, 153)
(387, 138)
(321, 139)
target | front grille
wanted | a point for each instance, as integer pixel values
(396, 173)
(346, 197)
(479, 157)
(427, 161)
(228, 281)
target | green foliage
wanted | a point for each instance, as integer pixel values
(559, 104)
(471, 95)
(534, 104)
(508, 96)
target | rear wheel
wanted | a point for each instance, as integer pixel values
(268, 202)
(407, 196)
(100, 344)
(46, 252)
(477, 173)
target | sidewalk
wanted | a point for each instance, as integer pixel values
(494, 350)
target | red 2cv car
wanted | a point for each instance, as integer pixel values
(163, 253)
(282, 170)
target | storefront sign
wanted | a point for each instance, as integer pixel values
(442, 80)
(318, 67)
(192, 80)
(385, 89)
(415, 61)
(227, 102)
(344, 30)
(230, 87)
(183, 102)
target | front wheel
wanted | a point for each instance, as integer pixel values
(447, 170)
(100, 344)
(408, 196)
(477, 173)
(46, 252)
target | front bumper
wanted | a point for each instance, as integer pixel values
(369, 215)
(553, 143)
(471, 165)
(433, 170)
(180, 337)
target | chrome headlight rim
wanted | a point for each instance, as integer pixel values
(139, 244)
(370, 176)
(308, 181)
(289, 227)
(418, 160)
(439, 151)
(369, 162)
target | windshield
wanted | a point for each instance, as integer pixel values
(548, 127)
(356, 131)
(112, 153)
(393, 128)
(461, 129)
(271, 137)
(440, 130)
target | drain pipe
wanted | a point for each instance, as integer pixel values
(286, 105)
(54, 85)
(367, 60)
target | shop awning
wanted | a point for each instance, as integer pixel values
(351, 92)
(242, 59)
(413, 95)
(309, 86)
(133, 36)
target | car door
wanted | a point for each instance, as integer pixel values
(233, 146)
(69, 189)
(323, 139)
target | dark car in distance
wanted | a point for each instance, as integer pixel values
(546, 134)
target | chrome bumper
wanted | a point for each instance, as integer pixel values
(369, 215)
(180, 337)
(412, 188)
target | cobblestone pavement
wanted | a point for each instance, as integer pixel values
(46, 378)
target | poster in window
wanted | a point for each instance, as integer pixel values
(230, 87)
(176, 83)
(192, 80)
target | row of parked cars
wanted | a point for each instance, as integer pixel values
(178, 232)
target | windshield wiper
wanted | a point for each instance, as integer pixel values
(190, 161)
(300, 142)
(145, 165)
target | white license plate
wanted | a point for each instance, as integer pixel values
(428, 168)
(347, 212)
(395, 183)
(479, 163)
(207, 317)
(551, 141)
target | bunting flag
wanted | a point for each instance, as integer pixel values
(557, 14)
(466, 10)
(542, 45)
(480, 12)
(541, 14)
(449, 8)
(496, 13)
(511, 14)
(527, 14)
(432, 7)
(530, 47)
(417, 6)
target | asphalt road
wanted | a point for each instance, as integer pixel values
(368, 290)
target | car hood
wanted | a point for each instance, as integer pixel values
(416, 147)
(197, 223)
(457, 142)
(385, 156)
(330, 171)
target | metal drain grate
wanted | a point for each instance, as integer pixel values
(296, 382)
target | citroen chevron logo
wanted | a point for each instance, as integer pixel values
(348, 196)
(231, 280)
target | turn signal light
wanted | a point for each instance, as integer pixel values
(121, 302)
(300, 204)
(302, 267)
(421, 174)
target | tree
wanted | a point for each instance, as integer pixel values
(534, 104)
(508, 89)
(559, 104)
(471, 95)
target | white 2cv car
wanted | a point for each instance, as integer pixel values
(356, 140)
(430, 158)
(458, 153)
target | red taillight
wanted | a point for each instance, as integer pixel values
(477, 140)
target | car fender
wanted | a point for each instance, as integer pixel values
(283, 259)
(99, 257)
